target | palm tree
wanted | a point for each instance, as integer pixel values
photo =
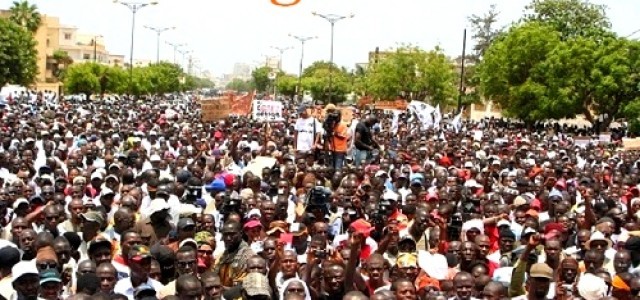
(26, 15)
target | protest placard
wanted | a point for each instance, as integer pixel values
(214, 109)
(267, 110)
(631, 144)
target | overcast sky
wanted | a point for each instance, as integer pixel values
(223, 32)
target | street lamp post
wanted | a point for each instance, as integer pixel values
(159, 31)
(184, 53)
(281, 50)
(95, 47)
(302, 40)
(134, 7)
(275, 84)
(332, 19)
(175, 50)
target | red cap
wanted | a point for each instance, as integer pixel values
(432, 197)
(252, 224)
(217, 135)
(362, 226)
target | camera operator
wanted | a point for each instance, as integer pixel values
(338, 143)
(364, 141)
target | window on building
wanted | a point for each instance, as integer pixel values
(48, 43)
(86, 56)
(67, 36)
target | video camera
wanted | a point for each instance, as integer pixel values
(318, 198)
(193, 193)
(331, 120)
(230, 204)
(381, 213)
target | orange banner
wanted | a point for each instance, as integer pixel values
(241, 105)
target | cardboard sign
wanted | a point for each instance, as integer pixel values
(391, 105)
(582, 141)
(605, 137)
(631, 144)
(215, 109)
(347, 114)
(259, 163)
(267, 110)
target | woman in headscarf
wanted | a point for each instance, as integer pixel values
(294, 286)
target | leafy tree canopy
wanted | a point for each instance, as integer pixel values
(26, 15)
(18, 55)
(572, 18)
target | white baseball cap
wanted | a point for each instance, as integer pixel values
(24, 268)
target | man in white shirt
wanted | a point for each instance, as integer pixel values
(307, 131)
(139, 261)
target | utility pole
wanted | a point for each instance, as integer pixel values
(464, 49)
(159, 31)
(175, 50)
(332, 19)
(302, 40)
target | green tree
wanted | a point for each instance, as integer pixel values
(18, 55)
(425, 75)
(81, 78)
(572, 18)
(315, 79)
(515, 75)
(62, 61)
(436, 80)
(141, 81)
(114, 80)
(396, 73)
(484, 31)
(240, 85)
(164, 77)
(286, 84)
(26, 15)
(261, 79)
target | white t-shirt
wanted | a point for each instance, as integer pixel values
(305, 130)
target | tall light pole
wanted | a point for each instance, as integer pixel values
(95, 47)
(134, 7)
(184, 53)
(332, 19)
(302, 40)
(159, 31)
(275, 81)
(281, 50)
(175, 49)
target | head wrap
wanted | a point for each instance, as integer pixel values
(283, 288)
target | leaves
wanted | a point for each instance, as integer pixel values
(25, 15)
(541, 69)
(571, 18)
(240, 85)
(513, 73)
(315, 79)
(287, 84)
(18, 55)
(161, 78)
(427, 75)
(261, 78)
(484, 32)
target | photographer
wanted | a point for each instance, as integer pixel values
(364, 141)
(338, 141)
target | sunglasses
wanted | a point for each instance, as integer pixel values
(187, 263)
(47, 265)
(207, 252)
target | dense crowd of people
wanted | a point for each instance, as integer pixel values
(125, 199)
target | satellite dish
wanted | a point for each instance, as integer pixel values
(272, 75)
